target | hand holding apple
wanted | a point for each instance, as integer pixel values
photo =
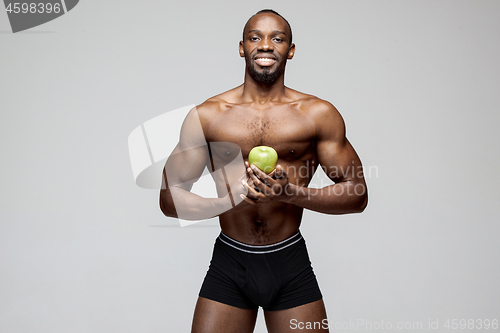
(267, 187)
(269, 182)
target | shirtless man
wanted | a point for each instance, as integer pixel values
(260, 258)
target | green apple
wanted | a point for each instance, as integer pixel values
(263, 157)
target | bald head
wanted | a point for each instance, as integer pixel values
(272, 12)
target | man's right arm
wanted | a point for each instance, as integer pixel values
(182, 169)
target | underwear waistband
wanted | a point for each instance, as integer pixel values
(260, 249)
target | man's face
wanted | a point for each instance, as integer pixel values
(266, 47)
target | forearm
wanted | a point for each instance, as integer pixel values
(180, 203)
(341, 198)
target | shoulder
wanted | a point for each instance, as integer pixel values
(323, 113)
(213, 106)
(311, 104)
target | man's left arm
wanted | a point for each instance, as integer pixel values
(339, 161)
(341, 164)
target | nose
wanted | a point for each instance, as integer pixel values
(266, 45)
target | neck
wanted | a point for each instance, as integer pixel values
(256, 92)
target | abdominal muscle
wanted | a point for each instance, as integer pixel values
(261, 224)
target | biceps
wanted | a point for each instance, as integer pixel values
(184, 167)
(339, 160)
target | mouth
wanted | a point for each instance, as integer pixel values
(265, 60)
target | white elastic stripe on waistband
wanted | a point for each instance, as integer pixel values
(261, 246)
(258, 252)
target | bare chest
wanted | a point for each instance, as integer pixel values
(290, 132)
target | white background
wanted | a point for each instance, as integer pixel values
(83, 249)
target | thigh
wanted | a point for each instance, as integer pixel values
(310, 317)
(211, 317)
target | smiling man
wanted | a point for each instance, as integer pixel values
(260, 258)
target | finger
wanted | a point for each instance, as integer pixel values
(257, 171)
(252, 173)
(280, 172)
(279, 169)
(251, 191)
(247, 199)
(257, 184)
(261, 175)
(250, 182)
(260, 185)
(244, 177)
(248, 170)
(255, 196)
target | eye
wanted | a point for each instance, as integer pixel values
(278, 40)
(253, 39)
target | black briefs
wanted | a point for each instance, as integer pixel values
(276, 277)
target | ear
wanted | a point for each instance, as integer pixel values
(242, 52)
(291, 51)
